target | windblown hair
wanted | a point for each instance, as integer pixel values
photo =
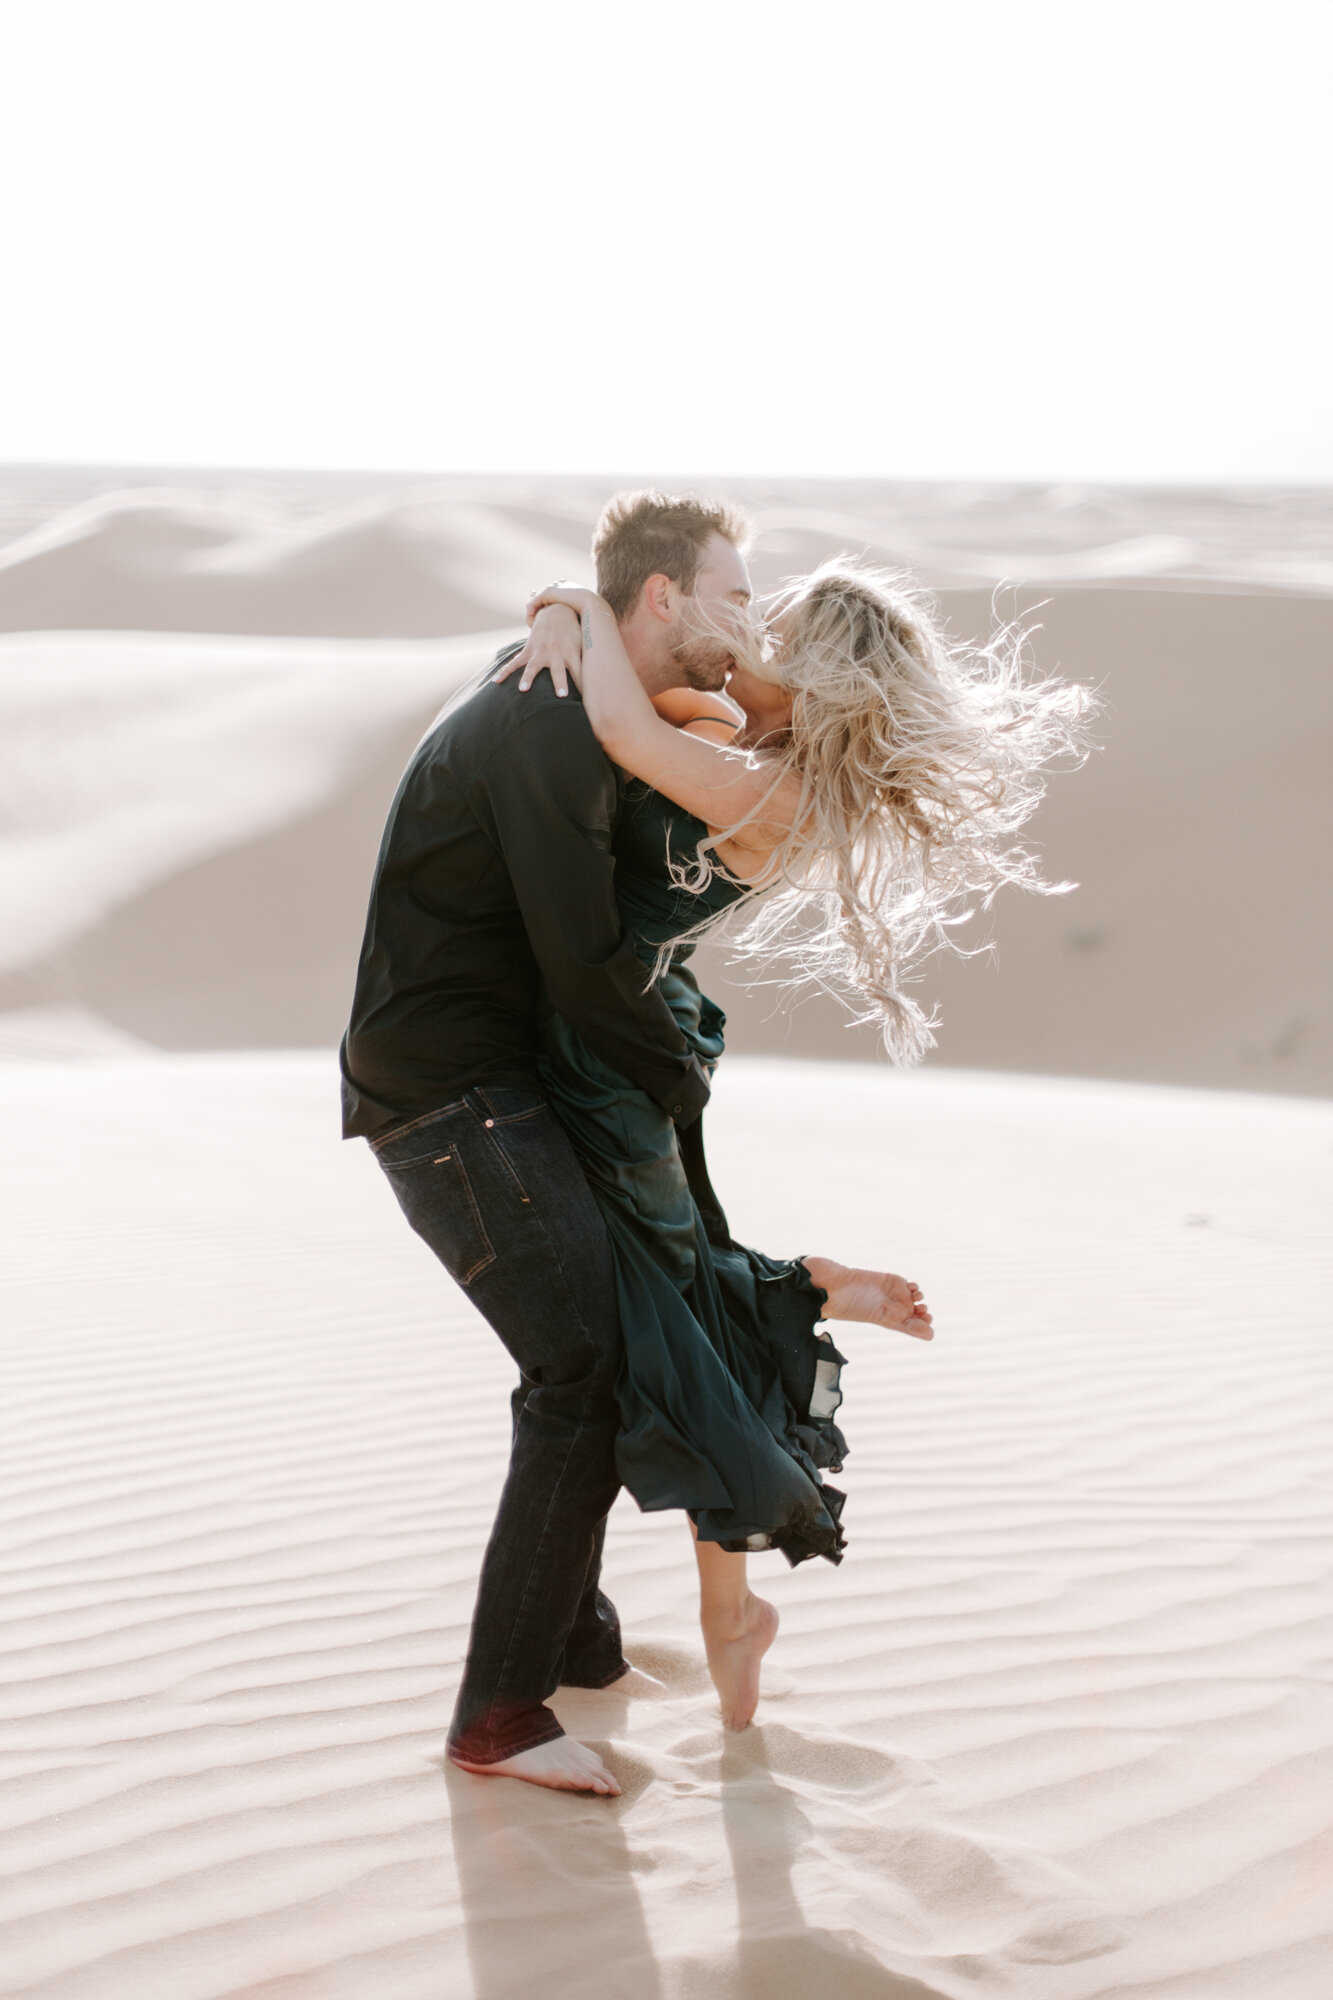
(649, 534)
(918, 758)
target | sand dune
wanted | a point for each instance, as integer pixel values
(128, 758)
(356, 556)
(173, 561)
(1059, 1727)
(1198, 947)
(193, 820)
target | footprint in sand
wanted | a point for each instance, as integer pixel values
(936, 1891)
(845, 1828)
(836, 1765)
(683, 1669)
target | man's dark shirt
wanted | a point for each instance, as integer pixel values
(496, 873)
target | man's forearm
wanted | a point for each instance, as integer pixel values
(632, 1030)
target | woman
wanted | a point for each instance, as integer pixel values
(866, 770)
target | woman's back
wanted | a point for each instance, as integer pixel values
(653, 840)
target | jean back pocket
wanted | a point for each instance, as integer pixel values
(436, 1196)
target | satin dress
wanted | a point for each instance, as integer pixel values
(728, 1390)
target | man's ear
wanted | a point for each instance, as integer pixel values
(657, 597)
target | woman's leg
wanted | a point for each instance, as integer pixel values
(738, 1630)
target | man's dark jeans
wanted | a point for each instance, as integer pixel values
(493, 1185)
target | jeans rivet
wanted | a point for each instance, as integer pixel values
(489, 1123)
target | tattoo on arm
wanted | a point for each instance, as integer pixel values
(587, 631)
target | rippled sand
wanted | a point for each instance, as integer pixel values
(1059, 1726)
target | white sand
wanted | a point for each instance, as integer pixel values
(1059, 1728)
(1060, 1725)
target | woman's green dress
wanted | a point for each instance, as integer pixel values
(727, 1393)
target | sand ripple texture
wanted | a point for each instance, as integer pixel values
(1059, 1728)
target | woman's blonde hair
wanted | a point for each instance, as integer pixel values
(918, 758)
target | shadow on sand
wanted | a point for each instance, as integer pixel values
(550, 1895)
(548, 1889)
(779, 1954)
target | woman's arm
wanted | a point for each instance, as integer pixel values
(554, 647)
(718, 784)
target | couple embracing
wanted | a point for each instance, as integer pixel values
(529, 1054)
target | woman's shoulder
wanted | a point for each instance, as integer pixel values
(715, 716)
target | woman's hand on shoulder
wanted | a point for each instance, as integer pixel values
(556, 616)
(555, 647)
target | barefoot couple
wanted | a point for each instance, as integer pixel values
(529, 1054)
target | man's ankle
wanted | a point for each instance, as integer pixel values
(497, 1736)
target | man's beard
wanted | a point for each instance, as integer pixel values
(704, 663)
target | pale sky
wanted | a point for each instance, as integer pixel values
(961, 238)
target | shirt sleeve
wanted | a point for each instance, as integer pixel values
(548, 799)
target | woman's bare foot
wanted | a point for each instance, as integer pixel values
(562, 1764)
(736, 1643)
(875, 1297)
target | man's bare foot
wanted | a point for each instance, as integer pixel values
(736, 1644)
(638, 1686)
(562, 1764)
(875, 1297)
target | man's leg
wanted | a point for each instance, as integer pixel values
(592, 1657)
(493, 1185)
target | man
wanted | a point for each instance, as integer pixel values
(494, 880)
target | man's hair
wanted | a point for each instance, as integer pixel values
(651, 534)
